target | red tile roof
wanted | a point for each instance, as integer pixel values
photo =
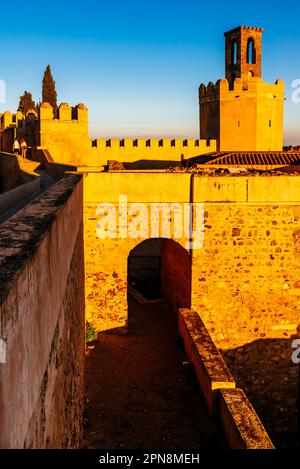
(249, 158)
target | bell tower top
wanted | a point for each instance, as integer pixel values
(243, 47)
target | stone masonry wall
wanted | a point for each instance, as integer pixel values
(106, 259)
(176, 274)
(249, 259)
(106, 262)
(245, 278)
(246, 288)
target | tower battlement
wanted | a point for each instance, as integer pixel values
(238, 86)
(238, 28)
(65, 112)
(241, 111)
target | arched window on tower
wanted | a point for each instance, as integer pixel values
(234, 52)
(251, 55)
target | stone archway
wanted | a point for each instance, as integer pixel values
(160, 268)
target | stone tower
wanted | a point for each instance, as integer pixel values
(242, 112)
(243, 53)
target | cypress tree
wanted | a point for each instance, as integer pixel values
(49, 94)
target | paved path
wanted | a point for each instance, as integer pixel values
(46, 182)
(141, 392)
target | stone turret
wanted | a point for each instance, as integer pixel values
(242, 112)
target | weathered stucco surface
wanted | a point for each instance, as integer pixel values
(42, 321)
(57, 418)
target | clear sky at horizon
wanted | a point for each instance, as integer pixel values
(137, 65)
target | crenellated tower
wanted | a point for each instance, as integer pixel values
(242, 112)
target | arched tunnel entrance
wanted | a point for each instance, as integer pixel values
(160, 268)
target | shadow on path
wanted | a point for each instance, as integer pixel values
(141, 392)
(263, 368)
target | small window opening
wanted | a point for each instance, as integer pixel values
(234, 52)
(251, 55)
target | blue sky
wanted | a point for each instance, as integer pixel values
(137, 64)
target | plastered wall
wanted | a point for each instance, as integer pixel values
(42, 321)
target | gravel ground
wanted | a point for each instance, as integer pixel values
(140, 390)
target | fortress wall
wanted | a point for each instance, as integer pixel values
(239, 189)
(106, 259)
(241, 425)
(246, 289)
(142, 187)
(42, 321)
(65, 137)
(66, 141)
(13, 125)
(9, 199)
(7, 139)
(246, 276)
(131, 150)
(249, 257)
(246, 118)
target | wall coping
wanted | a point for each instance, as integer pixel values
(21, 235)
(230, 405)
(241, 423)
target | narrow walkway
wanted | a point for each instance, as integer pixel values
(46, 182)
(141, 392)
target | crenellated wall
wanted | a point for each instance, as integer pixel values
(248, 117)
(17, 126)
(65, 137)
(132, 150)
